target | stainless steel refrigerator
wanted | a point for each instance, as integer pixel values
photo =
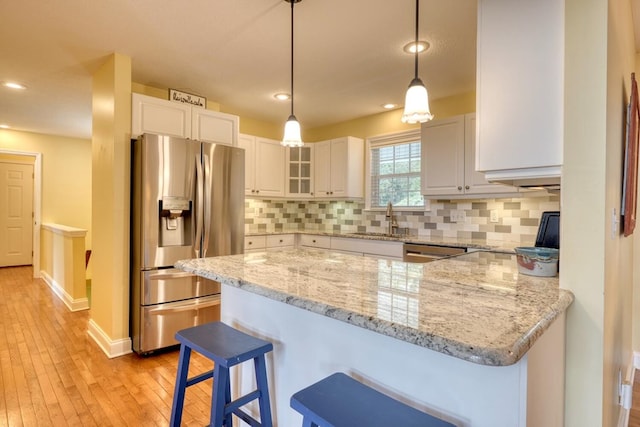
(187, 202)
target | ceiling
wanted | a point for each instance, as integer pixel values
(348, 55)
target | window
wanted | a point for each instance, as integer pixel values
(394, 171)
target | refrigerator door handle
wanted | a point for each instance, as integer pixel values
(186, 306)
(168, 276)
(199, 208)
(207, 204)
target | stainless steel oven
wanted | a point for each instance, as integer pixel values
(416, 252)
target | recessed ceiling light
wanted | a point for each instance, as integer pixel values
(411, 47)
(3, 126)
(14, 85)
(389, 106)
(282, 96)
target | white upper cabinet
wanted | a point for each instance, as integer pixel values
(520, 90)
(248, 143)
(448, 160)
(339, 168)
(159, 116)
(264, 166)
(213, 126)
(299, 181)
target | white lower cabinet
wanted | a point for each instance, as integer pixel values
(255, 243)
(378, 248)
(269, 242)
(314, 241)
(281, 241)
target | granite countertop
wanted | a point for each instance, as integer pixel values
(474, 307)
(493, 245)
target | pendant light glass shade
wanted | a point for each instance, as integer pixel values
(416, 104)
(292, 136)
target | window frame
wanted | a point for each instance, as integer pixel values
(395, 138)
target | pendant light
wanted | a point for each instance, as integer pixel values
(292, 136)
(416, 104)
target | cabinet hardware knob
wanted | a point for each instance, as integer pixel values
(466, 187)
(250, 243)
(253, 191)
(459, 187)
(311, 193)
(314, 241)
(280, 240)
(257, 191)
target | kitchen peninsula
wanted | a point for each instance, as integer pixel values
(465, 338)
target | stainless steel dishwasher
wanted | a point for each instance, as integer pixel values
(417, 252)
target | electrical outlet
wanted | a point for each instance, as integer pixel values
(458, 216)
(493, 216)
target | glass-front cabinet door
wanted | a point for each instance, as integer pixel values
(300, 171)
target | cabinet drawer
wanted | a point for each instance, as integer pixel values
(368, 247)
(255, 242)
(310, 240)
(280, 240)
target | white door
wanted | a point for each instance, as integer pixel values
(16, 214)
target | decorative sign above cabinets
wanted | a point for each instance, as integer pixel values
(187, 98)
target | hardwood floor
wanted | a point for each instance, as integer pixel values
(634, 416)
(52, 373)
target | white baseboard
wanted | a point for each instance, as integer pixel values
(112, 348)
(72, 304)
(628, 377)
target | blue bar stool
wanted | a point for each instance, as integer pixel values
(227, 347)
(341, 401)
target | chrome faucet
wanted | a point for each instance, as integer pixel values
(393, 225)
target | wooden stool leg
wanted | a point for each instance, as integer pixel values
(181, 386)
(218, 397)
(261, 381)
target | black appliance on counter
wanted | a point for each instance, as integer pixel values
(549, 230)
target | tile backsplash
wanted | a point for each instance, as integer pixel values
(517, 219)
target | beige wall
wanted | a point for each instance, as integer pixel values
(66, 175)
(389, 121)
(597, 264)
(618, 296)
(111, 149)
(636, 271)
